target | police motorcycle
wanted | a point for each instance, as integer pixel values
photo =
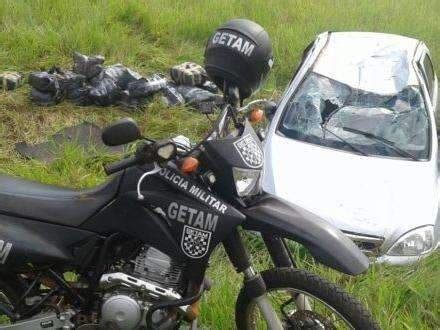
(138, 246)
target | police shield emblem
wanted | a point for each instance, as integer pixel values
(249, 151)
(195, 242)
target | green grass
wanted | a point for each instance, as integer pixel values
(155, 34)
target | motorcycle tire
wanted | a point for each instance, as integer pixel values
(349, 308)
(10, 292)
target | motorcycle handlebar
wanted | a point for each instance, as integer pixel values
(142, 157)
(121, 165)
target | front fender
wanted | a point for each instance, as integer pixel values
(327, 244)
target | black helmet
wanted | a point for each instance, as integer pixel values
(239, 53)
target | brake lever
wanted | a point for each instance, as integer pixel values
(155, 170)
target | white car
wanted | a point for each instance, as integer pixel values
(354, 140)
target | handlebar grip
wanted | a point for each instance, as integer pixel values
(120, 165)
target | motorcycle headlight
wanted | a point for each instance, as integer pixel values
(247, 182)
(414, 243)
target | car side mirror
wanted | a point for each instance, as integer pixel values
(269, 108)
(121, 132)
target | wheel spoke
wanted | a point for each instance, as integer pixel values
(303, 300)
(318, 315)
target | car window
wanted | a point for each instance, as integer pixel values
(428, 72)
(322, 109)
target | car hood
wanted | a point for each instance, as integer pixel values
(368, 195)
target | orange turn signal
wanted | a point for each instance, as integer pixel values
(256, 115)
(189, 165)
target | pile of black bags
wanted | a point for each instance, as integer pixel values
(90, 82)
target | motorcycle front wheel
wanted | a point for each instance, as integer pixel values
(304, 300)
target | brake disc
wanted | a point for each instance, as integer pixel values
(305, 319)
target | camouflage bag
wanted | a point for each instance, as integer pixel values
(10, 80)
(188, 73)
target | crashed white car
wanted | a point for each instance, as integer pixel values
(354, 140)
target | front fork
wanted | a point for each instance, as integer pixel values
(281, 257)
(278, 251)
(253, 282)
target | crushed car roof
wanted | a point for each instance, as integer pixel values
(375, 62)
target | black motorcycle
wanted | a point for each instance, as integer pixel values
(137, 247)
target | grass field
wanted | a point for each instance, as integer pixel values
(151, 36)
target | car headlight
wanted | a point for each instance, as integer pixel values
(414, 242)
(247, 182)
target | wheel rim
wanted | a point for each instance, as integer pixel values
(322, 316)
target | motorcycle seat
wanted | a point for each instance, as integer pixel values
(64, 206)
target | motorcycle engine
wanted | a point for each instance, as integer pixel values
(153, 265)
(153, 277)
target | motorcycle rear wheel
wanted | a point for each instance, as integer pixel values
(9, 295)
(286, 283)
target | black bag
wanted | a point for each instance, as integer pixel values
(171, 96)
(145, 87)
(44, 82)
(195, 95)
(121, 75)
(45, 98)
(69, 82)
(104, 92)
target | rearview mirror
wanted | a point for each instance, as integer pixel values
(121, 132)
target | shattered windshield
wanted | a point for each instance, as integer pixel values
(328, 113)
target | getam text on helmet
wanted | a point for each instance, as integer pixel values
(233, 41)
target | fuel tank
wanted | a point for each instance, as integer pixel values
(177, 215)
